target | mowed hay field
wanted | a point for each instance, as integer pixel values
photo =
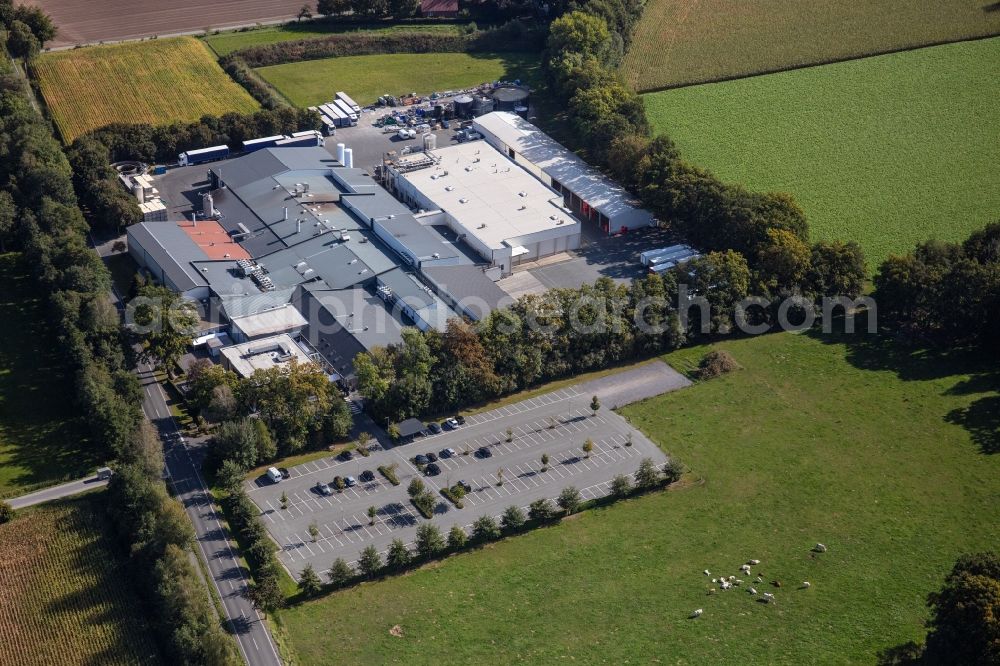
(367, 77)
(679, 42)
(887, 151)
(225, 43)
(156, 82)
(875, 452)
(63, 596)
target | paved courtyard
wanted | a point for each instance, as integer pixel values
(556, 424)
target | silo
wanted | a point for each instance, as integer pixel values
(430, 141)
(482, 105)
(340, 153)
(509, 97)
(207, 205)
(140, 192)
(348, 158)
(463, 106)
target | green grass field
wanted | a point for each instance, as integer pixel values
(874, 452)
(679, 42)
(64, 598)
(42, 439)
(366, 77)
(225, 43)
(888, 151)
(157, 81)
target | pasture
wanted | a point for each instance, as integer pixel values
(887, 151)
(366, 77)
(63, 596)
(157, 82)
(878, 453)
(680, 43)
(225, 43)
(42, 439)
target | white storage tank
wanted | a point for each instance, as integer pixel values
(348, 158)
(340, 152)
(430, 141)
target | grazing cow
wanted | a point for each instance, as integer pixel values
(759, 579)
(697, 613)
(776, 583)
(745, 567)
(707, 572)
(752, 590)
(732, 578)
(737, 582)
(711, 590)
(726, 585)
(819, 548)
(805, 585)
(768, 597)
(714, 580)
(755, 562)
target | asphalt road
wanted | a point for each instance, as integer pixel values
(555, 424)
(230, 579)
(56, 492)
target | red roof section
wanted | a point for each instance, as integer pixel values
(213, 240)
(438, 6)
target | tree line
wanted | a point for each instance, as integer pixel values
(27, 28)
(39, 215)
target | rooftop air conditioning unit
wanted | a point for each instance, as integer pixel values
(463, 200)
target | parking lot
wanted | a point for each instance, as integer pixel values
(556, 424)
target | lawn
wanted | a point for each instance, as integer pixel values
(888, 151)
(225, 43)
(157, 81)
(64, 598)
(367, 77)
(864, 449)
(679, 43)
(42, 439)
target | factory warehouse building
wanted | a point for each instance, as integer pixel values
(499, 209)
(585, 190)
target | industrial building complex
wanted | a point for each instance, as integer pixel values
(295, 246)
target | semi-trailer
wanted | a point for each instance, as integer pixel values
(310, 138)
(348, 111)
(350, 102)
(263, 142)
(200, 155)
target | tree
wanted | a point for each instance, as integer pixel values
(309, 582)
(595, 405)
(363, 438)
(510, 435)
(485, 529)
(21, 42)
(620, 486)
(672, 471)
(837, 269)
(38, 21)
(236, 441)
(370, 8)
(398, 556)
(965, 613)
(393, 431)
(265, 593)
(512, 519)
(646, 476)
(415, 488)
(580, 33)
(331, 7)
(569, 500)
(429, 540)
(588, 447)
(370, 562)
(164, 322)
(6, 512)
(304, 13)
(456, 537)
(230, 476)
(545, 462)
(8, 218)
(340, 572)
(313, 531)
(401, 9)
(284, 500)
(541, 510)
(783, 261)
(372, 514)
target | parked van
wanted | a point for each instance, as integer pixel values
(273, 474)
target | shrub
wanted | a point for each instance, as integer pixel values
(389, 472)
(457, 537)
(541, 510)
(512, 519)
(672, 471)
(424, 501)
(569, 500)
(716, 363)
(416, 487)
(340, 572)
(454, 495)
(646, 476)
(398, 555)
(620, 486)
(309, 583)
(370, 562)
(6, 513)
(429, 540)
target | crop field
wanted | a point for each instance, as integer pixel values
(887, 151)
(225, 43)
(42, 438)
(893, 476)
(63, 598)
(156, 82)
(366, 77)
(679, 42)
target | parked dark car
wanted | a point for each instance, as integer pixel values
(345, 455)
(465, 486)
(366, 476)
(285, 474)
(432, 469)
(421, 459)
(432, 457)
(448, 453)
(460, 419)
(484, 452)
(434, 428)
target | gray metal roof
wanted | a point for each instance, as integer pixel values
(240, 306)
(468, 285)
(172, 250)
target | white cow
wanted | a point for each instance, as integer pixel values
(707, 572)
(697, 613)
(755, 562)
(752, 590)
(819, 548)
(768, 597)
(806, 585)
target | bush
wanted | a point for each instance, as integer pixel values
(424, 501)
(457, 537)
(569, 500)
(716, 363)
(6, 512)
(398, 555)
(429, 540)
(454, 495)
(541, 510)
(340, 572)
(389, 472)
(512, 519)
(485, 529)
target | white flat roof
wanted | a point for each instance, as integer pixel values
(266, 322)
(477, 185)
(247, 358)
(558, 162)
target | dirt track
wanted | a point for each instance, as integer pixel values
(83, 21)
